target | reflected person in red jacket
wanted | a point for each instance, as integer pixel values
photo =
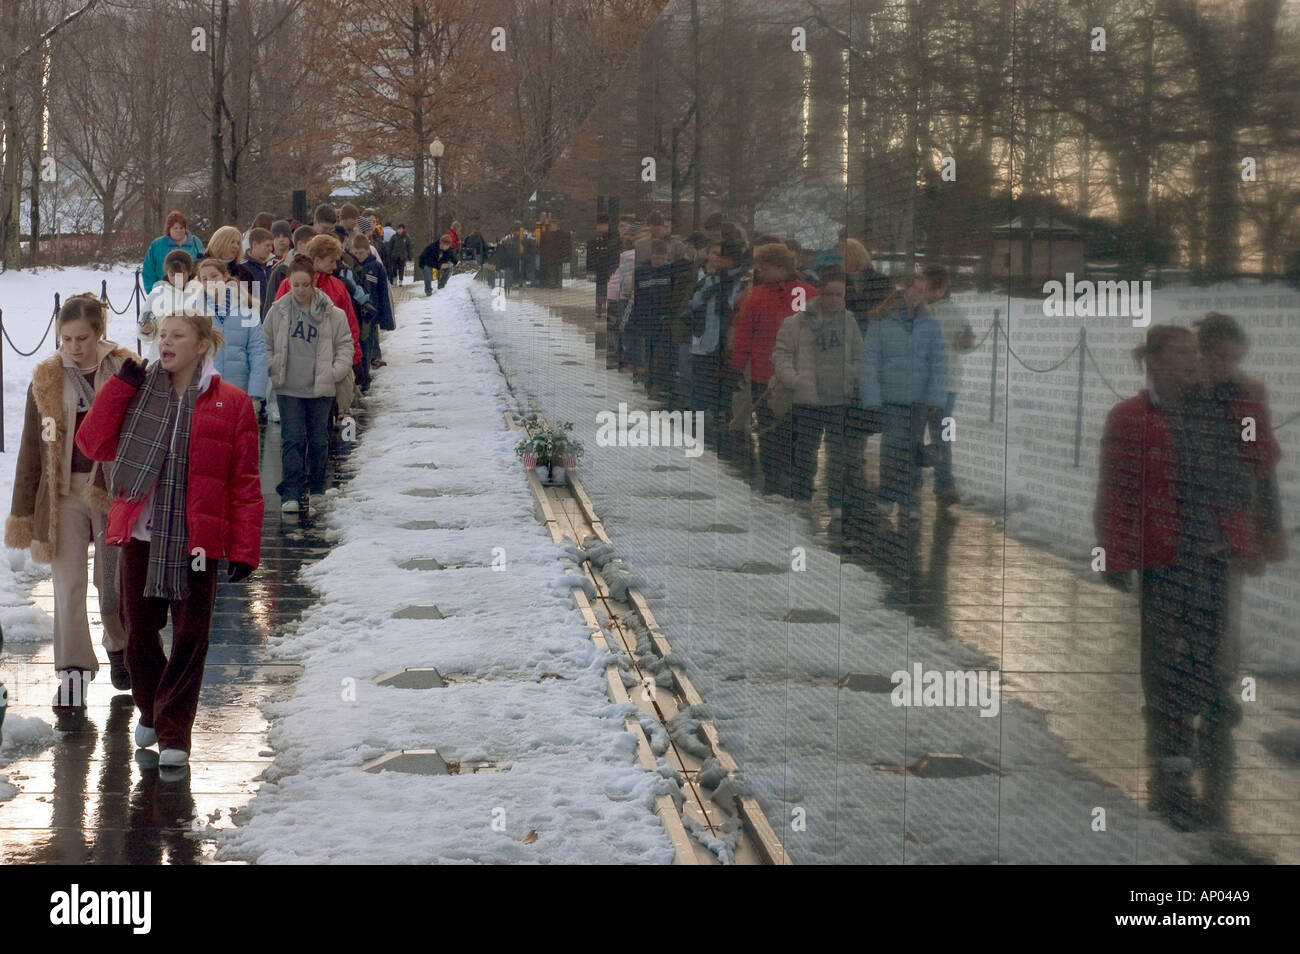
(186, 494)
(1174, 503)
(776, 295)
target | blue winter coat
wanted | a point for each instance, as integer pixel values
(260, 273)
(905, 360)
(377, 287)
(151, 273)
(241, 361)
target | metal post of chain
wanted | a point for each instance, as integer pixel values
(1078, 410)
(993, 381)
(138, 296)
(103, 289)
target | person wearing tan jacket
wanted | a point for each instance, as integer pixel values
(60, 498)
(815, 359)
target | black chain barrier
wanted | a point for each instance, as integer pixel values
(135, 293)
(134, 298)
(1092, 359)
(27, 354)
(1012, 351)
(979, 344)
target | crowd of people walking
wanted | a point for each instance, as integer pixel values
(156, 460)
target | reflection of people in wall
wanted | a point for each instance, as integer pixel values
(903, 383)
(960, 339)
(1174, 503)
(1222, 345)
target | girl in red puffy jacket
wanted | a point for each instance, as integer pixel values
(1174, 499)
(186, 494)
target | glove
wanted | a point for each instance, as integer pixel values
(132, 372)
(238, 571)
(1120, 581)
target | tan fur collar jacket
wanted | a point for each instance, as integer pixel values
(45, 454)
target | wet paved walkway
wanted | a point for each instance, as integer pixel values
(1065, 644)
(84, 799)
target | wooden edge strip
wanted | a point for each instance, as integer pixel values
(588, 508)
(760, 829)
(683, 844)
(756, 823)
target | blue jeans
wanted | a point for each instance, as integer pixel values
(943, 469)
(304, 432)
(810, 423)
(900, 473)
(629, 341)
(367, 344)
(443, 274)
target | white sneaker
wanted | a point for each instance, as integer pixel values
(173, 757)
(145, 737)
(289, 506)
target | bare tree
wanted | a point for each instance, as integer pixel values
(23, 36)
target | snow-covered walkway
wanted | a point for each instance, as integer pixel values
(436, 478)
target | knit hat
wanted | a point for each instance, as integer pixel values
(281, 227)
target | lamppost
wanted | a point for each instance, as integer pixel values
(436, 150)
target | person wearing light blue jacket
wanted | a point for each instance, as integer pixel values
(902, 381)
(241, 361)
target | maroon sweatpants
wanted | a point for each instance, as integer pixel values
(166, 689)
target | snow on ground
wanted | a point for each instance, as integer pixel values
(568, 767)
(27, 299)
(23, 736)
(808, 750)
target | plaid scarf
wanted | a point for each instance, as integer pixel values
(153, 453)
